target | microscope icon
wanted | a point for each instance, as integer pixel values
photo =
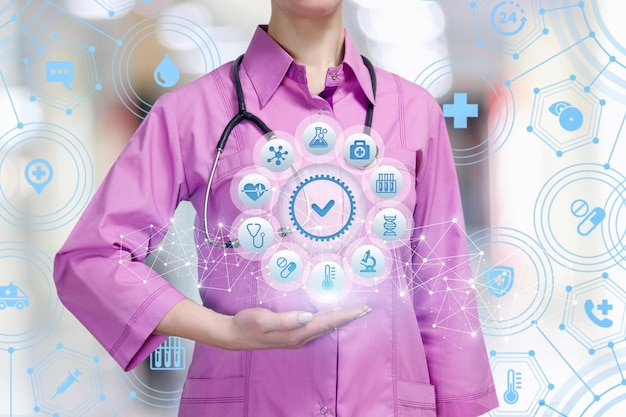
(368, 262)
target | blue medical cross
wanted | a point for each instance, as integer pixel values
(460, 110)
(39, 173)
(605, 307)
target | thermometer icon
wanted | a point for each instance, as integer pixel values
(513, 383)
(329, 274)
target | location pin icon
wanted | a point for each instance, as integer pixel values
(38, 173)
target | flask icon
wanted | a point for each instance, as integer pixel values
(319, 141)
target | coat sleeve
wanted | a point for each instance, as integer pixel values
(444, 300)
(99, 273)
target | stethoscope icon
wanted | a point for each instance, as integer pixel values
(257, 235)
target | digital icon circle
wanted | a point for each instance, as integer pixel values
(590, 234)
(389, 224)
(368, 261)
(254, 190)
(277, 155)
(328, 278)
(129, 62)
(319, 138)
(322, 208)
(360, 150)
(515, 279)
(386, 182)
(285, 266)
(255, 234)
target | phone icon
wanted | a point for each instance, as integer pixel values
(604, 307)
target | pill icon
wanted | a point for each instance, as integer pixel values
(590, 218)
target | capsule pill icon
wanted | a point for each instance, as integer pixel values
(590, 218)
(287, 267)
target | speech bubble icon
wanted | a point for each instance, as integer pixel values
(38, 173)
(60, 72)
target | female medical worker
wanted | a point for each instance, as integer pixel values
(414, 354)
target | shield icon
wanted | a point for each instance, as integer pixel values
(499, 280)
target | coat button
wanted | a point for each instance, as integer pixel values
(324, 410)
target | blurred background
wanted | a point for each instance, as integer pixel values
(535, 99)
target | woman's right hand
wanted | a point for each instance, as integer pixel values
(254, 328)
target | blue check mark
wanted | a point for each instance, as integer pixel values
(323, 211)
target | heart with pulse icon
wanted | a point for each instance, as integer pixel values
(254, 191)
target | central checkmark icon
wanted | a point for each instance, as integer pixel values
(323, 211)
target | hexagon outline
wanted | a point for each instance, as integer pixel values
(579, 334)
(85, 55)
(538, 111)
(536, 371)
(92, 373)
(485, 29)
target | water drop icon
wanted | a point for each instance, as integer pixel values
(166, 74)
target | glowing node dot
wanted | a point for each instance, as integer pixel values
(424, 260)
(402, 294)
(434, 325)
(454, 220)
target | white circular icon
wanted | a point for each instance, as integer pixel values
(386, 182)
(255, 234)
(285, 266)
(328, 278)
(389, 224)
(254, 190)
(360, 150)
(319, 138)
(367, 261)
(277, 155)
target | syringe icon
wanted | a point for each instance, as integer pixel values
(71, 378)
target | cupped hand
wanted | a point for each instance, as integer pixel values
(259, 328)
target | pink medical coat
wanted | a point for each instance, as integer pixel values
(419, 353)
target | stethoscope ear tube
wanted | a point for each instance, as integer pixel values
(243, 114)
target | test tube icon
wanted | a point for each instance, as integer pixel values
(169, 356)
(386, 184)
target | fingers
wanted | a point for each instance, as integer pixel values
(330, 320)
(258, 328)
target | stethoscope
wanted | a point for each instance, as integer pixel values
(242, 115)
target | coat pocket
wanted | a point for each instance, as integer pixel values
(415, 399)
(222, 397)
